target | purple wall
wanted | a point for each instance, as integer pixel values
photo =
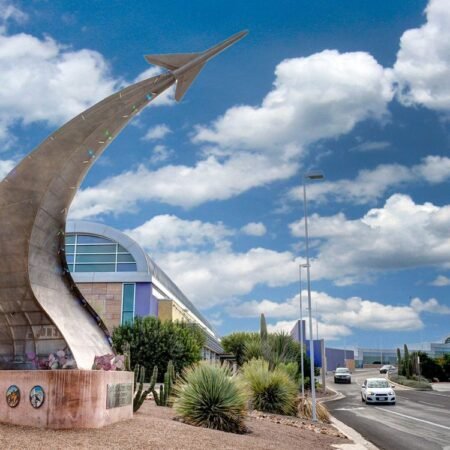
(336, 357)
(295, 332)
(145, 303)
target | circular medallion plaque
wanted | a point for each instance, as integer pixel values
(13, 396)
(37, 397)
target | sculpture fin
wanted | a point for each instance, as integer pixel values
(171, 61)
(185, 80)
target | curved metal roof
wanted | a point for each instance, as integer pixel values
(144, 262)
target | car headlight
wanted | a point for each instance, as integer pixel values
(391, 393)
(370, 393)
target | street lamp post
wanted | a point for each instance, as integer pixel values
(310, 176)
(301, 329)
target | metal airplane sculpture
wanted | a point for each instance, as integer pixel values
(41, 309)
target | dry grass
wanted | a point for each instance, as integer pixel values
(305, 410)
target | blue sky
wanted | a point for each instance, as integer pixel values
(210, 186)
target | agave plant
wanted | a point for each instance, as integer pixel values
(271, 391)
(208, 396)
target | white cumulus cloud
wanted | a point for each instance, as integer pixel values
(430, 306)
(352, 312)
(254, 229)
(168, 232)
(157, 132)
(320, 96)
(370, 185)
(400, 235)
(441, 280)
(186, 186)
(422, 69)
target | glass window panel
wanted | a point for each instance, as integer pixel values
(69, 259)
(96, 258)
(128, 297)
(89, 239)
(94, 268)
(121, 249)
(96, 248)
(126, 267)
(71, 267)
(127, 317)
(70, 248)
(70, 239)
(125, 258)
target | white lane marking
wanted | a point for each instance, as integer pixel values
(413, 418)
(349, 409)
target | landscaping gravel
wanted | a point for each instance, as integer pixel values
(153, 427)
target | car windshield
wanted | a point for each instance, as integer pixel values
(378, 384)
(341, 370)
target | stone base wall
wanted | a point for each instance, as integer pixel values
(73, 398)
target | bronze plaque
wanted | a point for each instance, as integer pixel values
(120, 394)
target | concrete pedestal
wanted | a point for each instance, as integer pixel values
(73, 398)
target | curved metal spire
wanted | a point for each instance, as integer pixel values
(41, 310)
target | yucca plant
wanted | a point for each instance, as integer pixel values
(271, 391)
(208, 396)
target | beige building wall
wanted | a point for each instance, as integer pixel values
(106, 299)
(169, 310)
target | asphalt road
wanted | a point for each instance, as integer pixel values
(419, 419)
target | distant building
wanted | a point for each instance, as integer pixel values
(440, 349)
(120, 281)
(334, 357)
(374, 357)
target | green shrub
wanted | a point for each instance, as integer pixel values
(154, 343)
(236, 343)
(254, 348)
(422, 385)
(292, 369)
(208, 396)
(271, 391)
(275, 348)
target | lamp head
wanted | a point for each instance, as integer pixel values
(314, 175)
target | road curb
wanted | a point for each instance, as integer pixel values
(360, 443)
(337, 396)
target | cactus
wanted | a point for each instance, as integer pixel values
(399, 359)
(127, 353)
(165, 389)
(263, 328)
(141, 394)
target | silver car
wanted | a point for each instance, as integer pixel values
(377, 390)
(342, 375)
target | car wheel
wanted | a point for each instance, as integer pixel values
(335, 380)
(393, 403)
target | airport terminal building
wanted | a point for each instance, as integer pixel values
(120, 281)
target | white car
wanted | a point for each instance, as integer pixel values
(377, 390)
(342, 375)
(388, 369)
